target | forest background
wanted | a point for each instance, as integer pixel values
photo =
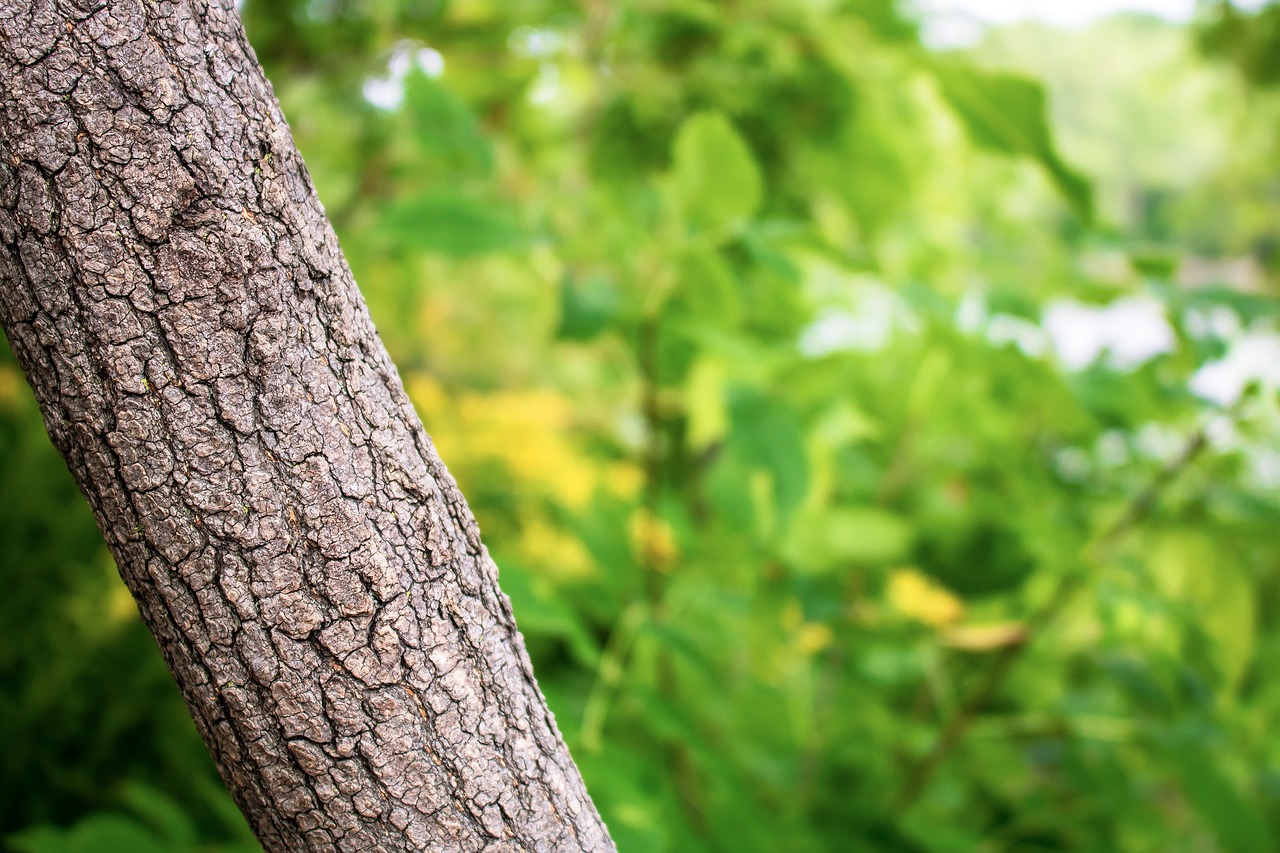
(878, 437)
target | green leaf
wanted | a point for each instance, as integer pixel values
(160, 811)
(728, 489)
(1007, 113)
(1215, 594)
(767, 435)
(842, 423)
(1154, 264)
(587, 307)
(707, 290)
(717, 183)
(453, 225)
(705, 415)
(974, 556)
(833, 538)
(99, 833)
(638, 821)
(444, 130)
(1233, 818)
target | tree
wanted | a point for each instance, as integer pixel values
(208, 369)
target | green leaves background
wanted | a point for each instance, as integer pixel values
(730, 321)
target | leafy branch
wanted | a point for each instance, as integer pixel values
(1002, 663)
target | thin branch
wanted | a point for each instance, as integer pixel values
(609, 673)
(993, 679)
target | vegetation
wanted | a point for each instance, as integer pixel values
(877, 444)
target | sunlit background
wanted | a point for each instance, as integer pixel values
(871, 406)
(952, 23)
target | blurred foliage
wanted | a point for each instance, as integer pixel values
(742, 327)
(152, 823)
(1249, 39)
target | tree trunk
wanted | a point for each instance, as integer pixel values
(208, 369)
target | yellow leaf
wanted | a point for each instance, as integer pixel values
(523, 431)
(623, 479)
(554, 552)
(428, 396)
(984, 638)
(652, 540)
(704, 403)
(813, 637)
(10, 386)
(917, 596)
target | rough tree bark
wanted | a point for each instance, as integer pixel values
(208, 369)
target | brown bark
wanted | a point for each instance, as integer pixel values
(207, 367)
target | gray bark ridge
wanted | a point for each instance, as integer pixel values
(209, 370)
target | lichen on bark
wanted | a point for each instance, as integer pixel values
(207, 367)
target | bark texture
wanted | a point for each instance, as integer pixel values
(207, 367)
